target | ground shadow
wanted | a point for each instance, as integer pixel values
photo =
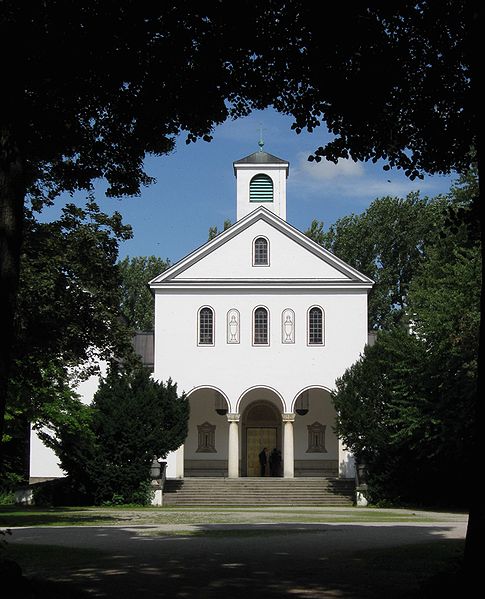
(25, 516)
(298, 561)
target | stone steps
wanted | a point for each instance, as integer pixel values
(256, 491)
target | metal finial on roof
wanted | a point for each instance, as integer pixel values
(261, 140)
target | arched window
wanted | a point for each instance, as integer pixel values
(261, 326)
(260, 252)
(206, 326)
(261, 189)
(315, 326)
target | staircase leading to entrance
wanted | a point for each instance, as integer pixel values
(322, 491)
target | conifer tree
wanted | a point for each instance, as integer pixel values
(107, 448)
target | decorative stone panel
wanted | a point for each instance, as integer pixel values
(316, 438)
(206, 438)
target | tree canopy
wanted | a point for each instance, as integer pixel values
(68, 315)
(406, 406)
(214, 231)
(387, 242)
(137, 304)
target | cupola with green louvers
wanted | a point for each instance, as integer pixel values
(261, 181)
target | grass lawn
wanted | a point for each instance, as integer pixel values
(13, 516)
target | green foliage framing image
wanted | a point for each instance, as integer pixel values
(68, 318)
(405, 408)
(107, 448)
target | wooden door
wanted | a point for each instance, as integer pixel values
(256, 439)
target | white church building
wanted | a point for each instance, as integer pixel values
(255, 327)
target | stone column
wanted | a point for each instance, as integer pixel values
(288, 445)
(233, 453)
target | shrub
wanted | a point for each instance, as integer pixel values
(107, 448)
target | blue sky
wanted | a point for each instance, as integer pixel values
(196, 187)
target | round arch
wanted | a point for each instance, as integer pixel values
(277, 395)
(261, 426)
(212, 388)
(308, 388)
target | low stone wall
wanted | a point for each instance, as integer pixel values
(316, 468)
(302, 468)
(205, 468)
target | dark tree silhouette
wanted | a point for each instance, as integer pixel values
(94, 87)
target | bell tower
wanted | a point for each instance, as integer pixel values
(261, 181)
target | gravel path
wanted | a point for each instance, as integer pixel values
(294, 561)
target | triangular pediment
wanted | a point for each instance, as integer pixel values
(293, 258)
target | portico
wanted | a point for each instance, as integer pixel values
(259, 431)
(226, 443)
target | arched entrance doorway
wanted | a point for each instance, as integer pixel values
(261, 429)
(260, 426)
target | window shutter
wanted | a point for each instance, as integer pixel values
(261, 189)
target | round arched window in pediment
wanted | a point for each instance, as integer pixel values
(260, 252)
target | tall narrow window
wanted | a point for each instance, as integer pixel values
(260, 327)
(260, 252)
(315, 326)
(261, 189)
(206, 326)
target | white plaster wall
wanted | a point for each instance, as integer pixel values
(86, 389)
(244, 175)
(171, 468)
(43, 461)
(288, 260)
(346, 462)
(235, 368)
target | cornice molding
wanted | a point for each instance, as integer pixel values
(260, 284)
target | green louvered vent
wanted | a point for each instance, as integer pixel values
(261, 189)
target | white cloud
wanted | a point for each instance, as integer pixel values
(327, 171)
(378, 188)
(354, 180)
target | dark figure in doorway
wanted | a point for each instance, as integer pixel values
(263, 460)
(275, 462)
